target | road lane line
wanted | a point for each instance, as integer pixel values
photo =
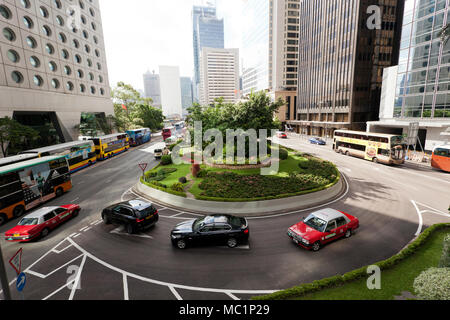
(77, 235)
(58, 290)
(87, 229)
(82, 229)
(419, 213)
(232, 296)
(175, 293)
(125, 288)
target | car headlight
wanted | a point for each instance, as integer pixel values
(305, 241)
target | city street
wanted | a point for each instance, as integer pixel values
(393, 204)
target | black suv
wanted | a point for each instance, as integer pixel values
(211, 230)
(135, 215)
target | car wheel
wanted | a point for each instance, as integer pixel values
(232, 243)
(106, 219)
(59, 192)
(347, 153)
(316, 246)
(349, 233)
(3, 219)
(181, 244)
(130, 229)
(44, 233)
(18, 211)
(375, 160)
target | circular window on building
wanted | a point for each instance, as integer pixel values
(100, 79)
(52, 66)
(25, 3)
(38, 81)
(76, 43)
(28, 22)
(49, 48)
(93, 91)
(91, 76)
(47, 31)
(67, 70)
(102, 91)
(62, 37)
(55, 83)
(43, 11)
(13, 56)
(35, 62)
(82, 88)
(9, 34)
(31, 42)
(57, 4)
(65, 54)
(17, 77)
(78, 58)
(89, 62)
(60, 20)
(69, 86)
(5, 12)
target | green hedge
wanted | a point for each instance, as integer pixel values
(338, 280)
(168, 190)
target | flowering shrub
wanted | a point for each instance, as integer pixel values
(433, 284)
(445, 259)
(177, 187)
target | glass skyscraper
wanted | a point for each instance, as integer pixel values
(208, 31)
(423, 82)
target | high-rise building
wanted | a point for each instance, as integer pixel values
(186, 94)
(208, 31)
(152, 88)
(53, 64)
(418, 89)
(219, 75)
(344, 47)
(170, 91)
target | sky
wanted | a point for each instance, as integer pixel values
(141, 35)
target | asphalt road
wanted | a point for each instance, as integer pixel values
(393, 205)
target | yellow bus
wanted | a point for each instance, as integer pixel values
(79, 154)
(27, 184)
(108, 146)
(375, 147)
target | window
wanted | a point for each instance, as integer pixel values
(9, 34)
(62, 37)
(442, 153)
(43, 11)
(31, 42)
(60, 210)
(49, 216)
(5, 12)
(49, 48)
(67, 70)
(25, 3)
(35, 62)
(331, 226)
(17, 77)
(13, 56)
(55, 84)
(65, 54)
(28, 22)
(47, 31)
(38, 81)
(52, 66)
(69, 86)
(60, 20)
(341, 222)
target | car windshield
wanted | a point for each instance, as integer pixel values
(28, 222)
(200, 222)
(315, 223)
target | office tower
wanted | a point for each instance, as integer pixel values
(186, 94)
(52, 70)
(219, 75)
(344, 47)
(170, 91)
(418, 89)
(208, 31)
(152, 88)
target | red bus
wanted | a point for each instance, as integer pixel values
(167, 132)
(441, 158)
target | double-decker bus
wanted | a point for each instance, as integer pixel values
(16, 159)
(139, 136)
(108, 146)
(79, 154)
(441, 158)
(27, 184)
(167, 132)
(375, 147)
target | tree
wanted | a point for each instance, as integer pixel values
(13, 132)
(445, 34)
(149, 116)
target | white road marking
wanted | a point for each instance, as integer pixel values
(77, 279)
(125, 288)
(419, 213)
(175, 293)
(96, 222)
(82, 229)
(61, 251)
(87, 229)
(77, 235)
(178, 214)
(120, 231)
(76, 199)
(232, 296)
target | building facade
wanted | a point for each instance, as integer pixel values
(418, 89)
(219, 75)
(170, 91)
(53, 64)
(344, 47)
(186, 94)
(152, 88)
(208, 31)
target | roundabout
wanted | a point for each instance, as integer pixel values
(115, 265)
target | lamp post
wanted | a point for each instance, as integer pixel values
(4, 278)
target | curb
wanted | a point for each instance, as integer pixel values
(244, 209)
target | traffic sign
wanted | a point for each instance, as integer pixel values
(16, 261)
(21, 281)
(143, 166)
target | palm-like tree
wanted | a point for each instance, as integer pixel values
(445, 34)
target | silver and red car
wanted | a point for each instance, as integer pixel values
(322, 227)
(41, 222)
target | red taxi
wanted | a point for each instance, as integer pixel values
(41, 222)
(322, 227)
